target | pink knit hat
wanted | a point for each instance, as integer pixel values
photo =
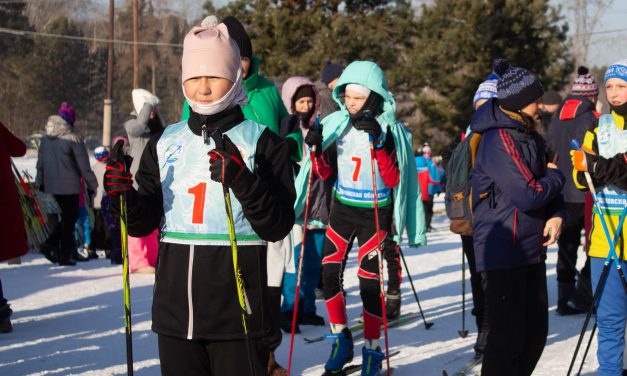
(209, 51)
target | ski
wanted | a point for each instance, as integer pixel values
(354, 368)
(475, 361)
(353, 328)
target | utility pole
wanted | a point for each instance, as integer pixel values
(108, 102)
(135, 47)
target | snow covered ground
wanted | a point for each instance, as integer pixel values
(70, 320)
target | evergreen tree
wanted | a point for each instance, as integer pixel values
(457, 40)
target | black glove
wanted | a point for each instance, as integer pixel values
(388, 143)
(368, 124)
(314, 137)
(117, 178)
(225, 162)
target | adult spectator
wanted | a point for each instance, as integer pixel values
(61, 162)
(12, 232)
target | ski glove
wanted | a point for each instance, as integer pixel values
(117, 178)
(368, 124)
(583, 160)
(225, 162)
(314, 137)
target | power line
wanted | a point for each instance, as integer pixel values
(86, 39)
(599, 32)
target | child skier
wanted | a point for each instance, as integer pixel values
(606, 161)
(196, 307)
(301, 98)
(367, 113)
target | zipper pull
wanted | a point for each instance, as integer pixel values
(205, 136)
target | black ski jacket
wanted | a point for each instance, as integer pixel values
(195, 295)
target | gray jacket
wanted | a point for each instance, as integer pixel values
(63, 160)
(138, 135)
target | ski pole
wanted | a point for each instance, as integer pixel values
(585, 353)
(463, 333)
(411, 282)
(599, 288)
(127, 287)
(379, 252)
(575, 144)
(312, 155)
(239, 283)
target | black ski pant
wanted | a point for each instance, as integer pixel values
(210, 358)
(62, 238)
(568, 245)
(478, 297)
(392, 255)
(518, 320)
(346, 223)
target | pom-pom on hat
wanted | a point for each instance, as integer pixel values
(239, 35)
(517, 87)
(67, 113)
(209, 51)
(585, 84)
(330, 72)
(617, 70)
(101, 153)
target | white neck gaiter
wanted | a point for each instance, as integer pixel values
(235, 96)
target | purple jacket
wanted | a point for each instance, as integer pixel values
(513, 193)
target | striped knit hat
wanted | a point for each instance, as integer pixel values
(585, 84)
(517, 87)
(486, 89)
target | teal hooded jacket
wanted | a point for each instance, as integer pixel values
(408, 210)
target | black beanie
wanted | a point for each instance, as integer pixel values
(330, 72)
(516, 87)
(304, 91)
(239, 35)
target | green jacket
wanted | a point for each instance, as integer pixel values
(264, 104)
(408, 210)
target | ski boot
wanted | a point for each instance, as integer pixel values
(371, 362)
(393, 305)
(341, 352)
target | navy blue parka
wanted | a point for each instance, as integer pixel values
(513, 192)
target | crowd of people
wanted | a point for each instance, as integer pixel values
(223, 205)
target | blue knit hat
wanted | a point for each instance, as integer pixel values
(486, 89)
(617, 70)
(517, 87)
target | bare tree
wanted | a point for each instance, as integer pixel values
(586, 14)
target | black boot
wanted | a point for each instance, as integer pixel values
(286, 322)
(51, 253)
(582, 297)
(564, 293)
(482, 340)
(393, 304)
(5, 318)
(310, 318)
